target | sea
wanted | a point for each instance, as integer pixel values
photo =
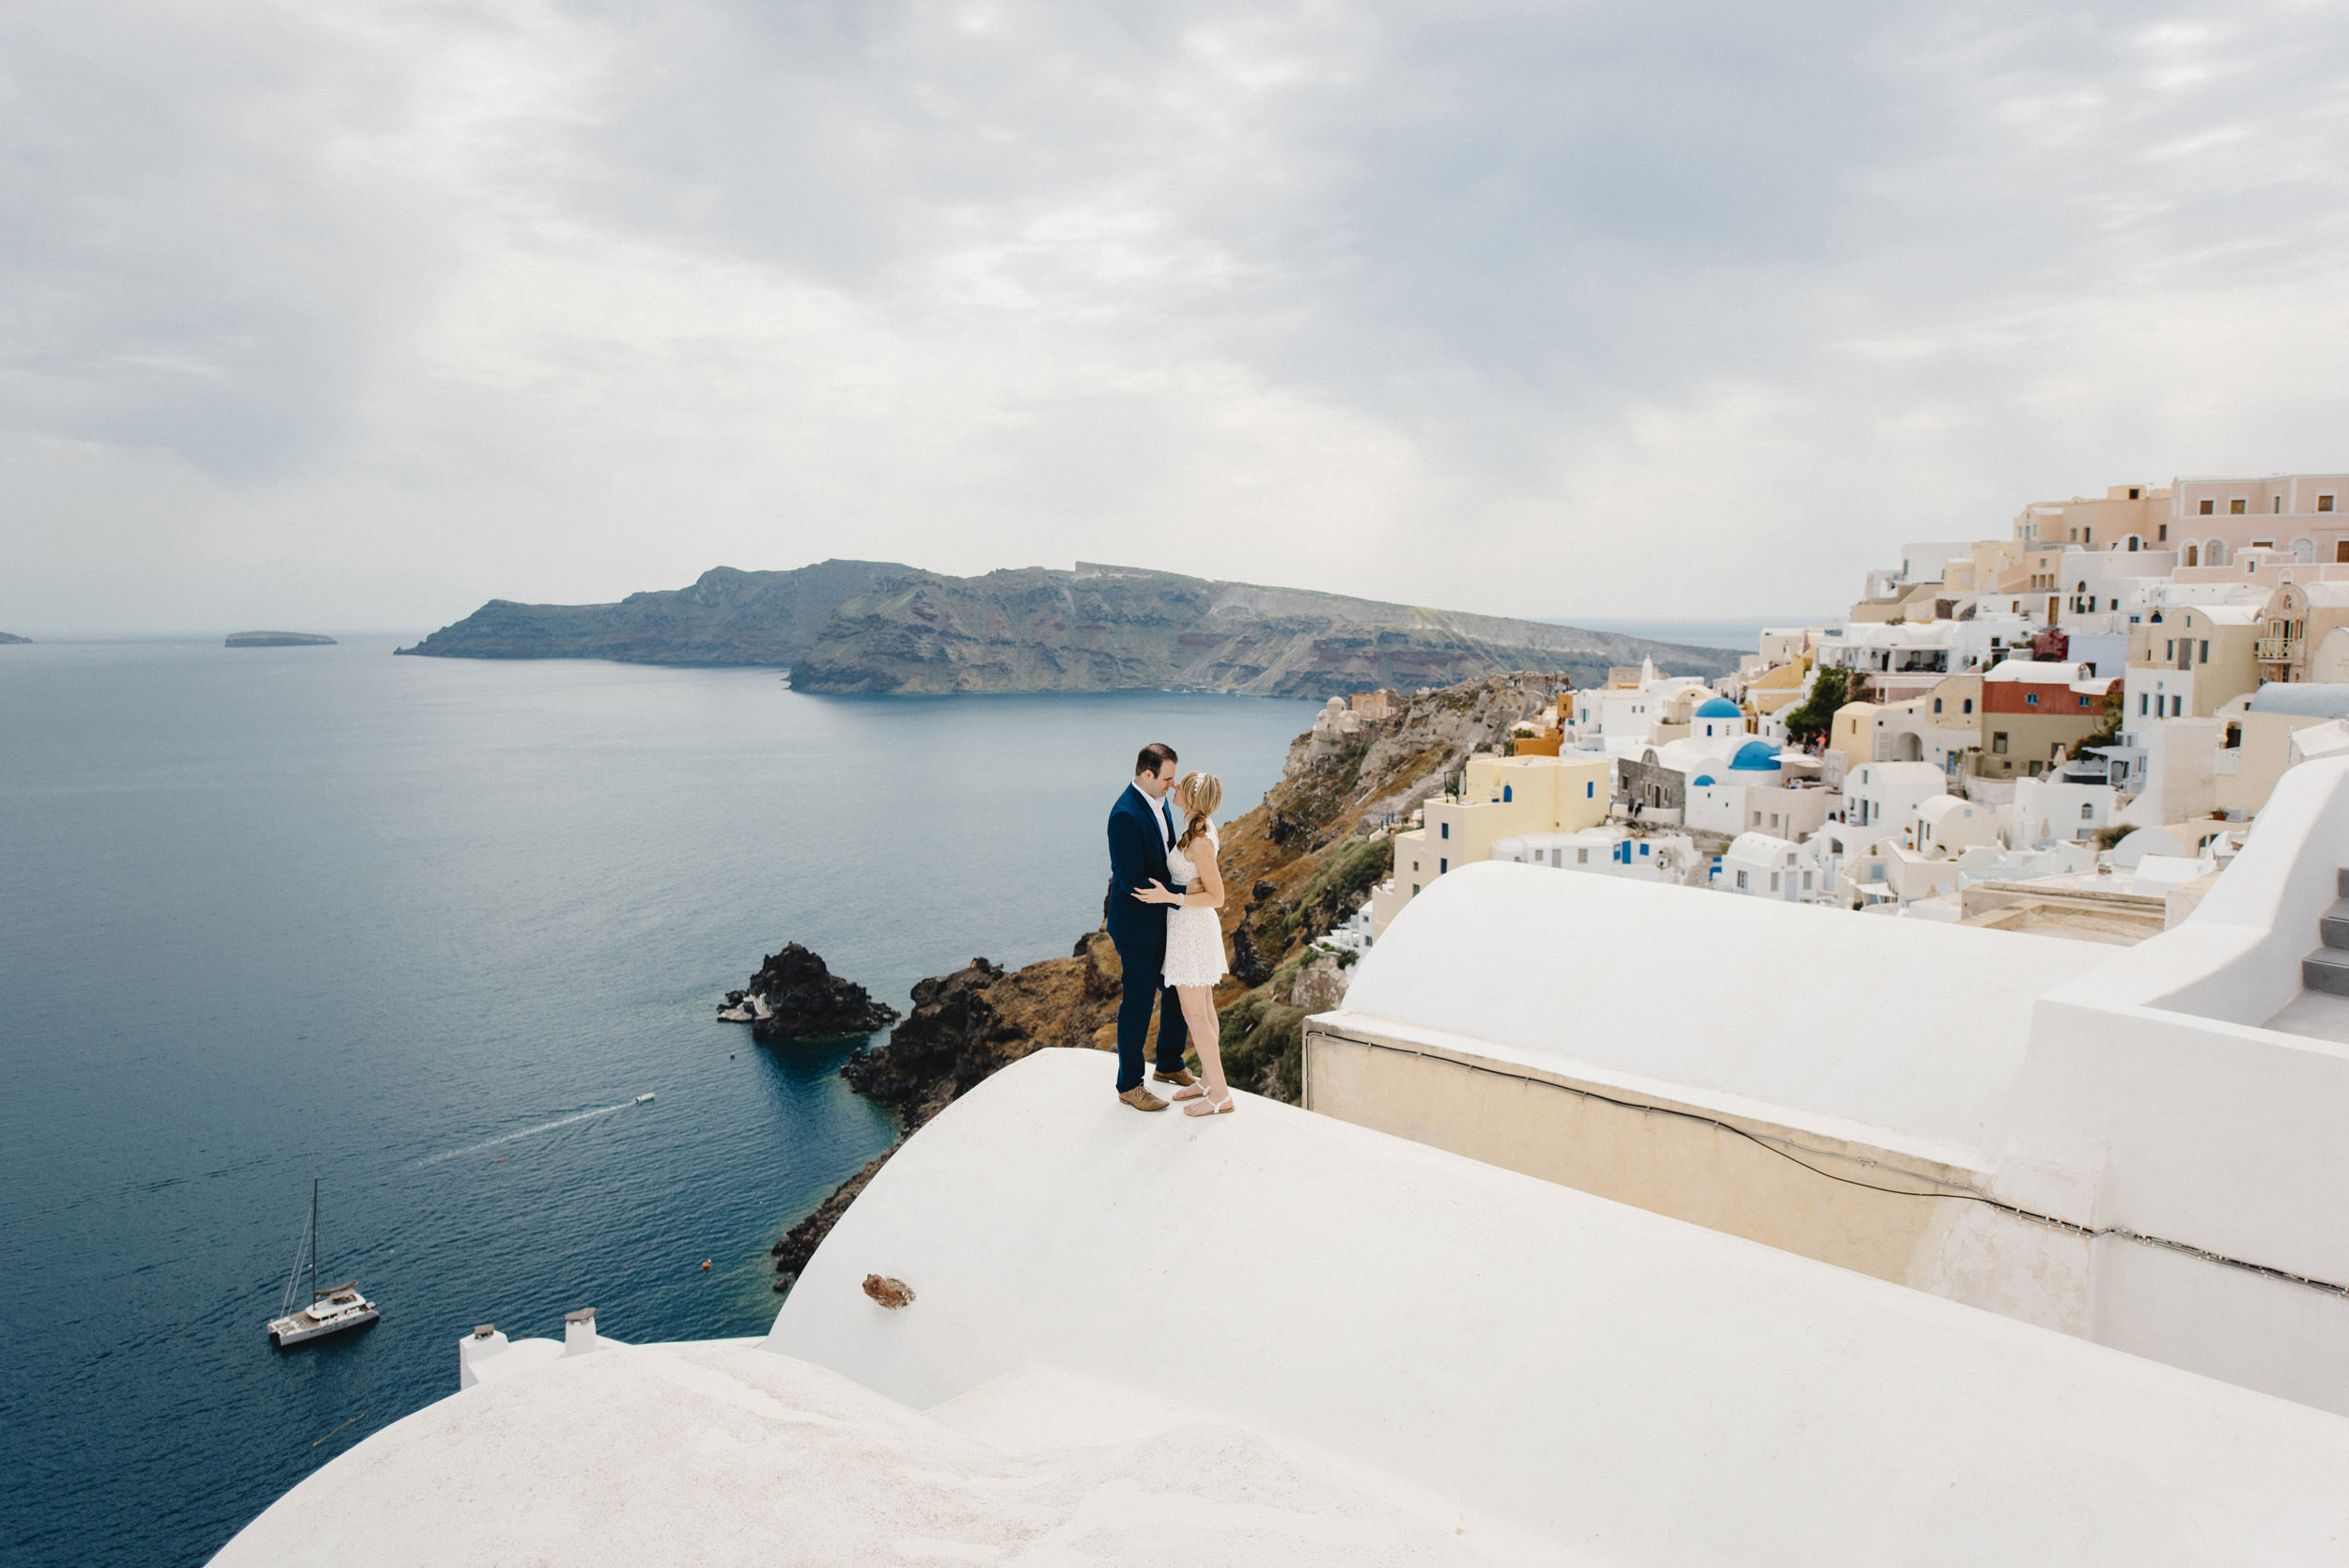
(423, 931)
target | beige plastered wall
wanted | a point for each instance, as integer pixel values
(1664, 1155)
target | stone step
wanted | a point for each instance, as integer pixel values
(2332, 926)
(2326, 969)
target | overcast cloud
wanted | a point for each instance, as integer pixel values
(355, 316)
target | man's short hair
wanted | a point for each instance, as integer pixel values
(1154, 756)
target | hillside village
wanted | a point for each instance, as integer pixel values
(2066, 730)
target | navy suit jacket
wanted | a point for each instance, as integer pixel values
(1137, 857)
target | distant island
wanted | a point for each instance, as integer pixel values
(278, 640)
(10, 637)
(726, 618)
(866, 628)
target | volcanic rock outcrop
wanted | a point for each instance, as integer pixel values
(794, 997)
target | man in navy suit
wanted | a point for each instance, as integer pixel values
(1141, 830)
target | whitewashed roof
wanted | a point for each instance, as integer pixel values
(1917, 1032)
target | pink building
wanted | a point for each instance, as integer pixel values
(2302, 518)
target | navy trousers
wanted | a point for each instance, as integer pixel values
(1144, 992)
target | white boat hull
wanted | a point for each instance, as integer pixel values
(330, 1313)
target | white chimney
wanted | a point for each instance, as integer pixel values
(475, 1348)
(578, 1332)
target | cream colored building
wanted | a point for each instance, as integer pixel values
(1850, 740)
(2128, 517)
(2255, 739)
(1781, 687)
(1937, 727)
(1500, 797)
(2304, 633)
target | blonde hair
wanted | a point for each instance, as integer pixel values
(1199, 794)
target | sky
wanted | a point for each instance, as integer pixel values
(356, 315)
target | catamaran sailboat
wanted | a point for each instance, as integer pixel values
(330, 1311)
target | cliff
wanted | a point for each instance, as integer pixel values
(1106, 629)
(1306, 858)
(726, 618)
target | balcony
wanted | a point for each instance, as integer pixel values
(2272, 650)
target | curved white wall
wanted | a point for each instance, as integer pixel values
(1890, 1024)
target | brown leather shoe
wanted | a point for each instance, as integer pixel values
(1182, 1078)
(1141, 1099)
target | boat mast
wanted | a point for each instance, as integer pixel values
(314, 1238)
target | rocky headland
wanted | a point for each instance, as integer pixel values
(794, 997)
(278, 640)
(1298, 865)
(726, 617)
(1112, 628)
(7, 637)
(869, 627)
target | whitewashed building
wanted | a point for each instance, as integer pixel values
(2049, 810)
(1885, 795)
(1611, 850)
(1756, 865)
(1945, 827)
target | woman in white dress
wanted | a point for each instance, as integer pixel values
(1194, 936)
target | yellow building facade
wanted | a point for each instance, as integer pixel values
(1500, 797)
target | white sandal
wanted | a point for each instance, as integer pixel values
(1207, 1104)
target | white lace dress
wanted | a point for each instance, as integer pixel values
(1194, 935)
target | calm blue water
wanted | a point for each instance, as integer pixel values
(417, 926)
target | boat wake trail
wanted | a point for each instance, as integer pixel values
(526, 1132)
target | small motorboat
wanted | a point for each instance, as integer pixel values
(644, 1099)
(331, 1310)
